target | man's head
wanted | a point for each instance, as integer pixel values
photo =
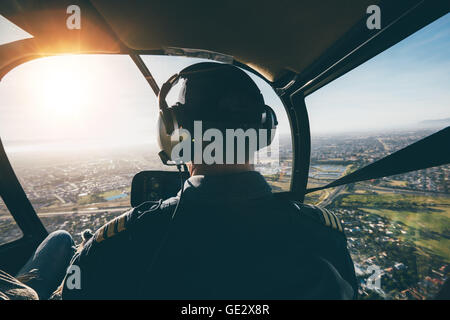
(219, 121)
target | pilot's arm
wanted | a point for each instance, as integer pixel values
(112, 262)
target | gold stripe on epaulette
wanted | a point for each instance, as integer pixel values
(121, 222)
(332, 219)
(110, 231)
(339, 223)
(99, 237)
(325, 217)
(335, 218)
(112, 228)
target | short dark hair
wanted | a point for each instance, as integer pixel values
(221, 96)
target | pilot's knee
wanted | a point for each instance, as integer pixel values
(60, 240)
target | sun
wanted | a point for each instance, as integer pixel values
(63, 91)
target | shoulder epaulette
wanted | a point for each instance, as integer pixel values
(122, 222)
(321, 215)
(112, 228)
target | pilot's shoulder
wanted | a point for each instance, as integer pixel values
(319, 215)
(127, 220)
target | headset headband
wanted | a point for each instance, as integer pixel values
(163, 107)
(165, 112)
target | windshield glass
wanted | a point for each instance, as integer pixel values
(398, 227)
(78, 128)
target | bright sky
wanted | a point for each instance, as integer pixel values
(400, 87)
(84, 99)
(72, 99)
(102, 98)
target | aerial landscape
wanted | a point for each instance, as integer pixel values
(398, 225)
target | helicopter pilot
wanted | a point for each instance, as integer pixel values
(225, 234)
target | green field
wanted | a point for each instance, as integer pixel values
(395, 201)
(427, 218)
(101, 197)
(422, 220)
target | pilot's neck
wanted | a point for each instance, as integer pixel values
(218, 169)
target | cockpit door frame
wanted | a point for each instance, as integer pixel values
(14, 254)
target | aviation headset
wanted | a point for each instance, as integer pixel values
(172, 118)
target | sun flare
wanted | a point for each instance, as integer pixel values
(63, 89)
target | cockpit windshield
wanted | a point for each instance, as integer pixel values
(77, 129)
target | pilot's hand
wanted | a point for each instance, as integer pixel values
(86, 235)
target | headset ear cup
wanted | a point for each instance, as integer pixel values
(165, 112)
(168, 139)
(270, 123)
(164, 139)
(271, 118)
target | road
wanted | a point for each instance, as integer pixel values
(328, 200)
(121, 209)
(396, 190)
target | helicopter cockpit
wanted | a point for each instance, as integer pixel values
(362, 111)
